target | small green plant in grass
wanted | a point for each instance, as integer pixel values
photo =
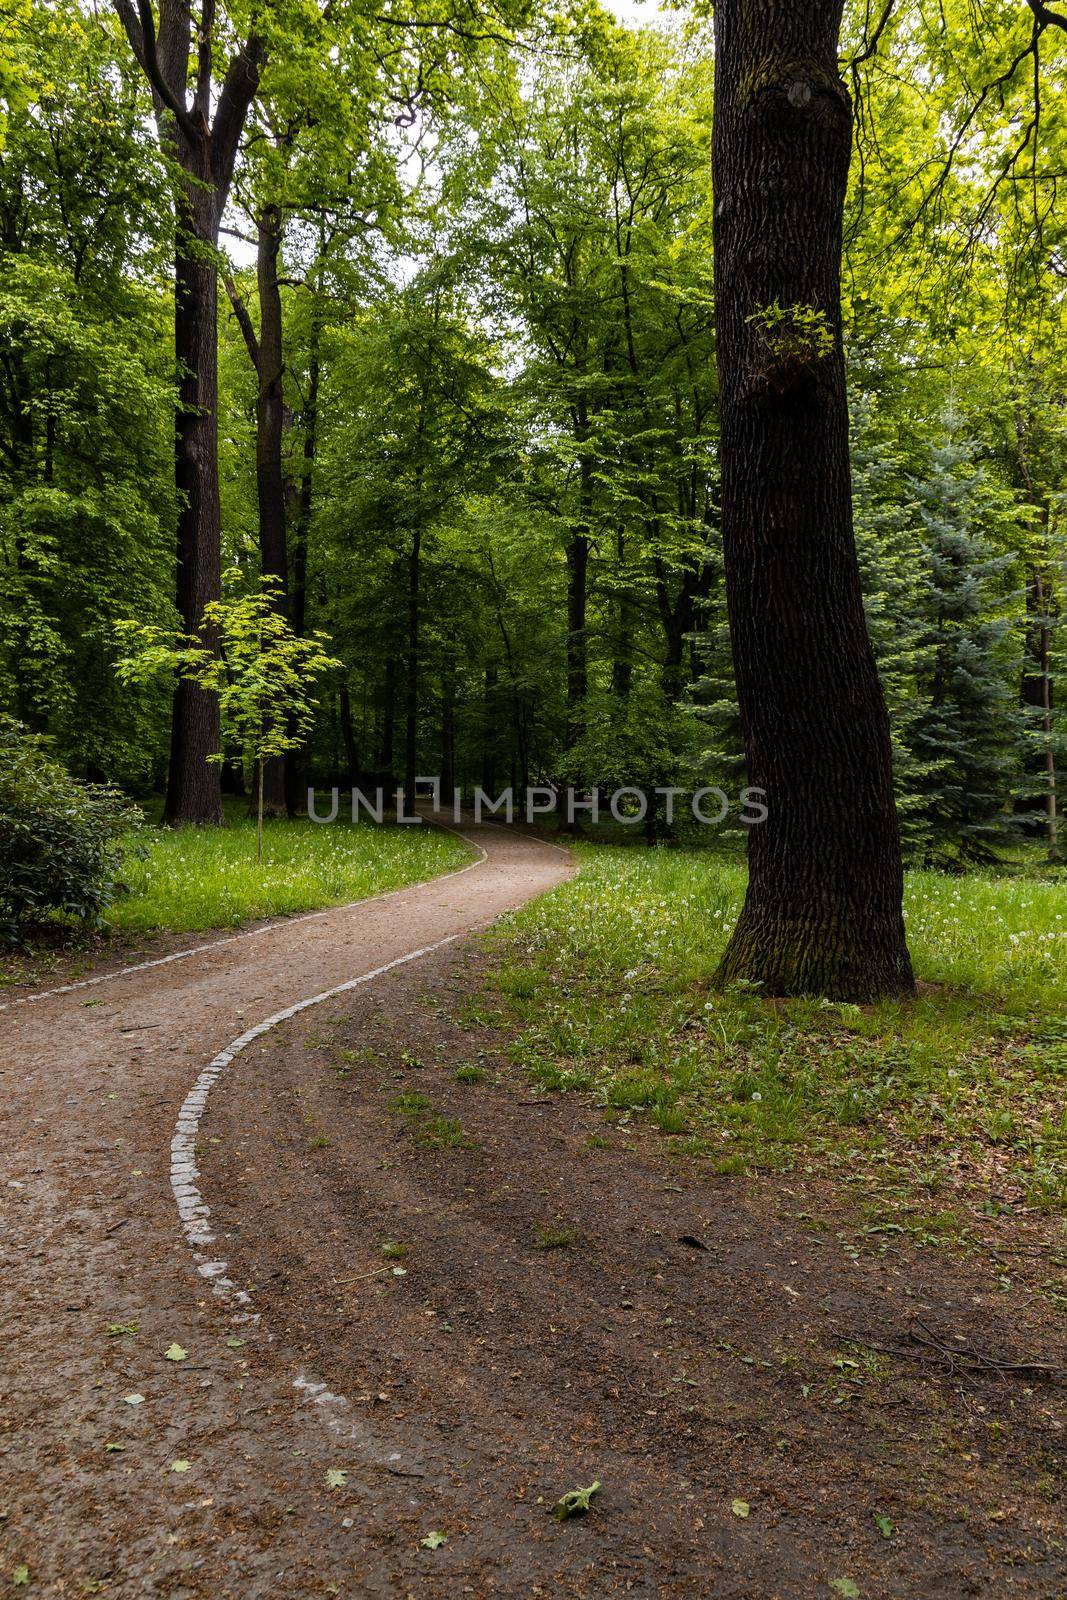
(392, 1249)
(442, 1133)
(731, 1166)
(429, 1129)
(517, 982)
(636, 1091)
(550, 1236)
(549, 1075)
(670, 1119)
(413, 1104)
(469, 1073)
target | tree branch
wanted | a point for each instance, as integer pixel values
(244, 321)
(202, 98)
(150, 62)
(238, 92)
(1045, 17)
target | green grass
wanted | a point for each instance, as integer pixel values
(551, 1236)
(428, 1128)
(959, 1091)
(195, 878)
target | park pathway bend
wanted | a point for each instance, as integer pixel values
(93, 1081)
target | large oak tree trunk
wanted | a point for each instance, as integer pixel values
(822, 914)
(193, 781)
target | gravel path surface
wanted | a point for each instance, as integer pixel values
(93, 1081)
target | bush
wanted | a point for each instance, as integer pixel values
(61, 841)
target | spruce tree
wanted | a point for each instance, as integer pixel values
(885, 516)
(966, 734)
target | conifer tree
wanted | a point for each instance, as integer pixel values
(967, 731)
(885, 517)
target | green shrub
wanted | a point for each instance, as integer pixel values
(61, 841)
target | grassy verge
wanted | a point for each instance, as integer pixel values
(932, 1109)
(196, 878)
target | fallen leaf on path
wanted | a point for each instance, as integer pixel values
(845, 1587)
(20, 1577)
(575, 1503)
(235, 1344)
(134, 1399)
(434, 1540)
(883, 1524)
(180, 1466)
(175, 1353)
(336, 1478)
(740, 1508)
(113, 1448)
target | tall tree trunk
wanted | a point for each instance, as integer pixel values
(270, 428)
(387, 753)
(205, 148)
(266, 356)
(577, 647)
(448, 730)
(411, 703)
(822, 914)
(622, 665)
(489, 741)
(348, 736)
(301, 526)
(193, 783)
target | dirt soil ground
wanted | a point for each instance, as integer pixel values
(557, 1304)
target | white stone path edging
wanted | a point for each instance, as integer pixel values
(251, 933)
(195, 1214)
(192, 1208)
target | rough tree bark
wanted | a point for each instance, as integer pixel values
(822, 914)
(205, 151)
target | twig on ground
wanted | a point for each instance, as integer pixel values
(927, 1342)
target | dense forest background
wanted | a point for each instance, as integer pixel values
(468, 408)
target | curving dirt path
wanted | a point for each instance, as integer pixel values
(93, 1081)
(685, 1341)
